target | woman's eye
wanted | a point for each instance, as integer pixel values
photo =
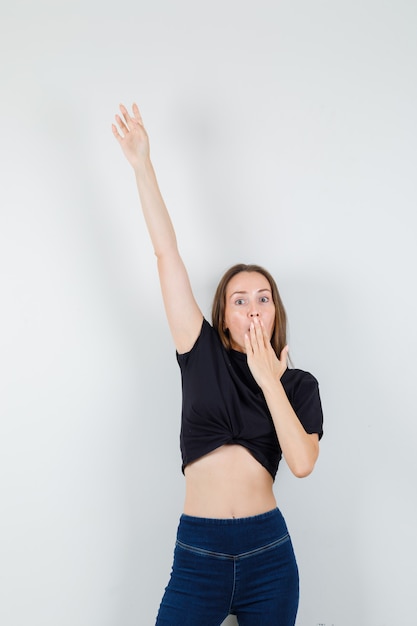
(264, 299)
(239, 301)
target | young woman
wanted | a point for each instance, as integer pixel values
(242, 410)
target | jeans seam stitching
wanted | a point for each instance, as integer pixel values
(202, 551)
(243, 555)
(234, 586)
(269, 546)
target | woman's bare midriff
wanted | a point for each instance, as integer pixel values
(228, 482)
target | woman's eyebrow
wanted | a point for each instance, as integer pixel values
(238, 293)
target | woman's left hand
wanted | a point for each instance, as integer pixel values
(264, 364)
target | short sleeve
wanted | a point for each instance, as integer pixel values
(303, 394)
(184, 357)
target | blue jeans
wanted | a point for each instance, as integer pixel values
(243, 566)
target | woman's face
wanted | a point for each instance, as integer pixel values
(248, 295)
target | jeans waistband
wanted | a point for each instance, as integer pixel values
(229, 521)
(232, 536)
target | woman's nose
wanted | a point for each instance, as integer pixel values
(253, 313)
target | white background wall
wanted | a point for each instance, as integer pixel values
(283, 133)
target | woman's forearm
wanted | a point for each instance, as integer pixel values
(300, 449)
(156, 215)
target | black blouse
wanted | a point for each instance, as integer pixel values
(223, 404)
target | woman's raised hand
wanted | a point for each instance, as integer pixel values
(131, 135)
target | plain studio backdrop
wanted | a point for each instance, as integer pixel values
(283, 133)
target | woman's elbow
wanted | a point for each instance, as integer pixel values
(302, 458)
(302, 471)
(303, 467)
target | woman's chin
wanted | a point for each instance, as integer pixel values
(237, 347)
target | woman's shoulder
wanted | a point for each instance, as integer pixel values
(296, 381)
(295, 375)
(208, 339)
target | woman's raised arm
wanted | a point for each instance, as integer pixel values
(183, 313)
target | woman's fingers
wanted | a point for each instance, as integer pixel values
(126, 116)
(258, 333)
(136, 113)
(122, 126)
(253, 339)
(284, 354)
(127, 123)
(116, 132)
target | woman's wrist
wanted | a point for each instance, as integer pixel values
(143, 165)
(267, 383)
